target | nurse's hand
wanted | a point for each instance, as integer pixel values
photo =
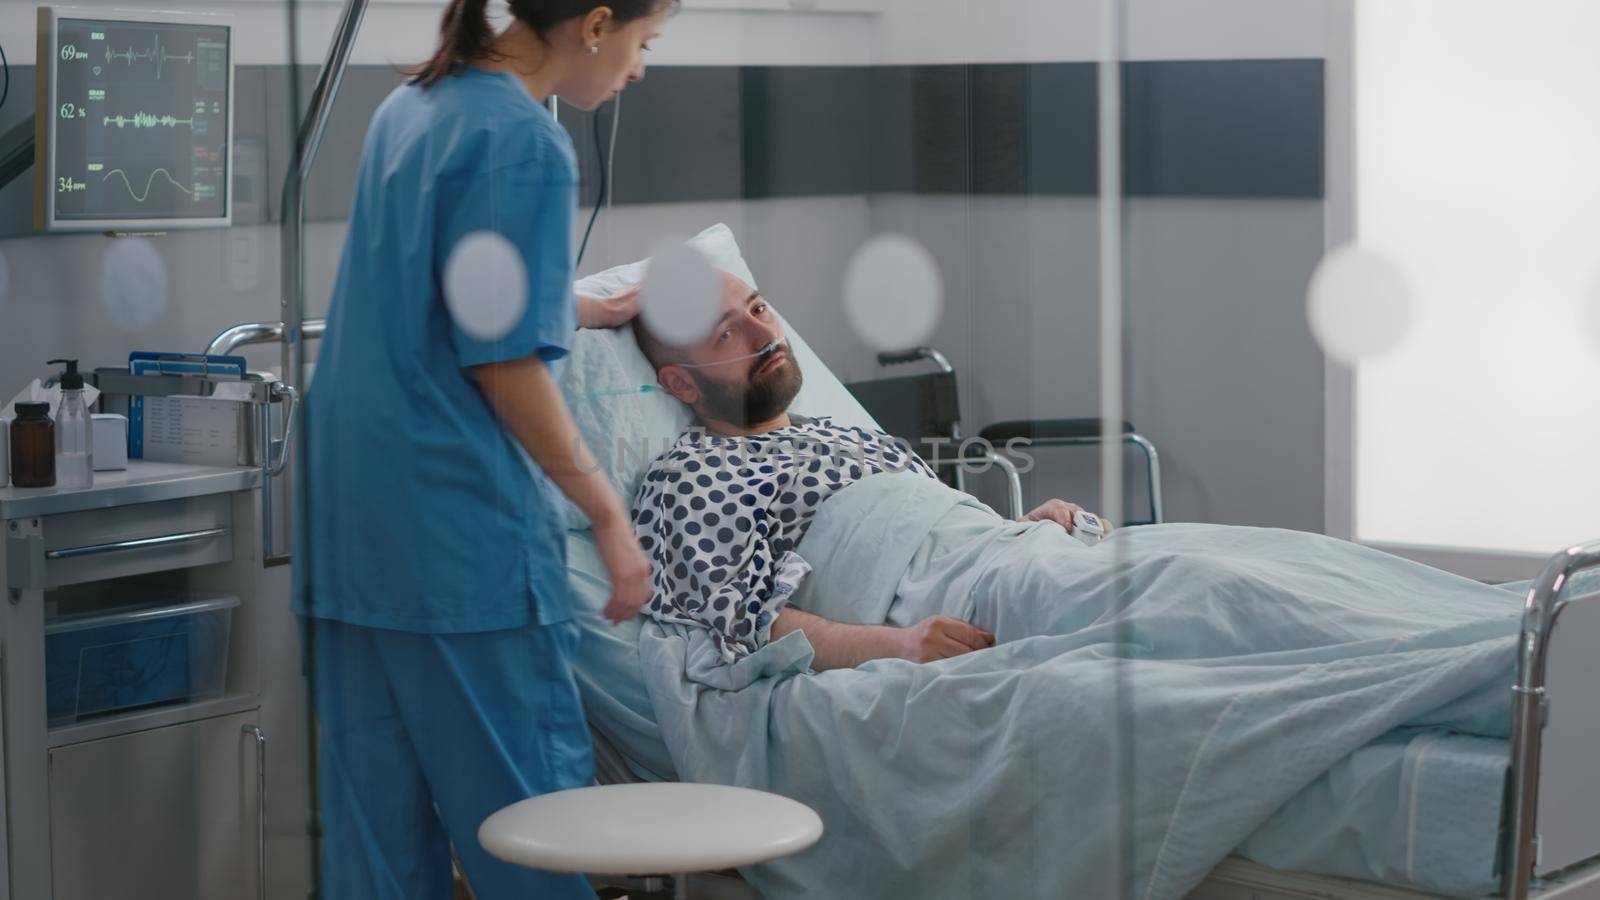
(625, 562)
(608, 312)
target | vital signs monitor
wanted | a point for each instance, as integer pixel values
(135, 121)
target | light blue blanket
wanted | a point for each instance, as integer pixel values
(1165, 692)
(1415, 807)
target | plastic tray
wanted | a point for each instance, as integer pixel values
(143, 655)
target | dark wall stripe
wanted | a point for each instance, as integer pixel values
(804, 131)
(1243, 128)
(1233, 128)
(682, 137)
(1230, 128)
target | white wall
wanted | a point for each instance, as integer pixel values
(1223, 373)
(797, 249)
(1475, 152)
(1004, 257)
(56, 304)
(908, 31)
(955, 31)
(401, 32)
(1222, 370)
(51, 301)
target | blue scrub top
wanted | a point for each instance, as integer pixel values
(421, 515)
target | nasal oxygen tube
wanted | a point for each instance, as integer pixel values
(651, 388)
(722, 362)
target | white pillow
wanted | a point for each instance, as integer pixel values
(627, 429)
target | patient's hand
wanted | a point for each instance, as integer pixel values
(608, 312)
(941, 637)
(838, 645)
(1061, 513)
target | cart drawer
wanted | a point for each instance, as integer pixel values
(132, 540)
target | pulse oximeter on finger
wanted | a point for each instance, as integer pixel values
(1087, 527)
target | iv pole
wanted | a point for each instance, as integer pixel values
(307, 140)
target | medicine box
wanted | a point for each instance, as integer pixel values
(110, 442)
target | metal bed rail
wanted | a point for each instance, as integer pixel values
(1539, 611)
(231, 339)
(275, 453)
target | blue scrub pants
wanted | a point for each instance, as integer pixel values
(422, 737)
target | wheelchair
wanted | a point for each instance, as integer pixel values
(925, 411)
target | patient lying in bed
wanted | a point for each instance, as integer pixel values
(722, 511)
(1266, 691)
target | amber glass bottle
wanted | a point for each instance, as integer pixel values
(33, 446)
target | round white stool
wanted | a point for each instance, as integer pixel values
(668, 828)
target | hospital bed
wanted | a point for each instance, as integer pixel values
(1553, 799)
(1550, 814)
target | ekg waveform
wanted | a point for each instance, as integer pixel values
(137, 197)
(159, 56)
(147, 120)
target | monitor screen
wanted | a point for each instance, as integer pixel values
(140, 117)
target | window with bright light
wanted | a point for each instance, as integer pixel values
(1478, 173)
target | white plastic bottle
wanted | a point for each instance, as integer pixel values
(74, 432)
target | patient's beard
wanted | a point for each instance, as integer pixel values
(758, 399)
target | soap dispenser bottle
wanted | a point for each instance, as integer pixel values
(74, 432)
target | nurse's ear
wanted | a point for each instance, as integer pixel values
(677, 382)
(597, 23)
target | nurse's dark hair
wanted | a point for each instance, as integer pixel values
(465, 34)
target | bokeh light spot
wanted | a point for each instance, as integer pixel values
(893, 292)
(134, 287)
(1360, 304)
(680, 298)
(485, 285)
(1592, 310)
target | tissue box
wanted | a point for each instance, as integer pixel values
(110, 442)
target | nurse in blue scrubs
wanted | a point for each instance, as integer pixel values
(432, 581)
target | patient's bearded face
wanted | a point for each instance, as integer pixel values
(748, 394)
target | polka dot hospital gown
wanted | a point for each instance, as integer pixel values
(720, 518)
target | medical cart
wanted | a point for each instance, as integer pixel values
(133, 744)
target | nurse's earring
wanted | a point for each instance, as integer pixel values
(594, 49)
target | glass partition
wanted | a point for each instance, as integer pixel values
(1355, 317)
(1035, 448)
